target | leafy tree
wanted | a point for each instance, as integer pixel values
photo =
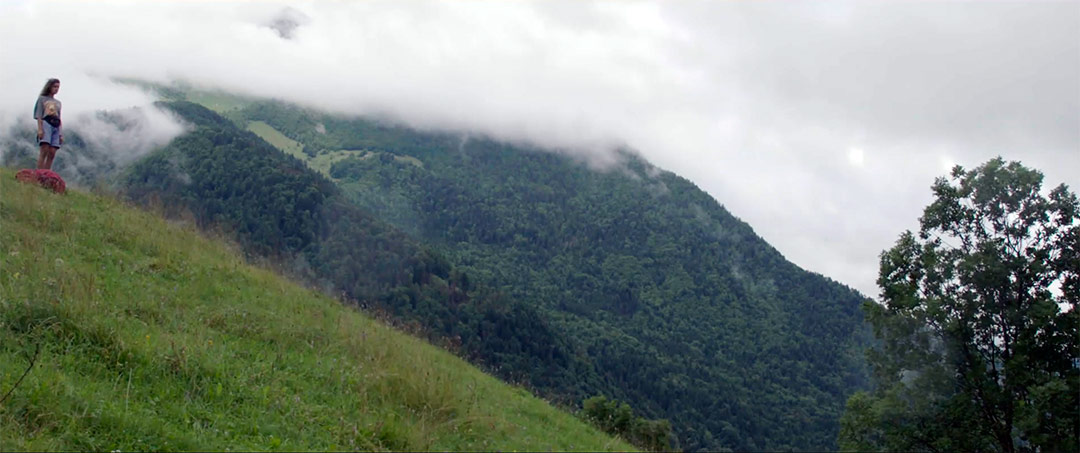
(978, 326)
(617, 418)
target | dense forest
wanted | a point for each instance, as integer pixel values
(678, 306)
(228, 179)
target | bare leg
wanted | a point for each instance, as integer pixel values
(41, 156)
(49, 158)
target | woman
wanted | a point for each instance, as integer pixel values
(49, 133)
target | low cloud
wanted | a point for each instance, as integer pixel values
(127, 134)
(761, 105)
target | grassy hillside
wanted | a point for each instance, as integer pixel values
(152, 337)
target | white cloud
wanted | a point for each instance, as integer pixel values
(748, 100)
(856, 156)
(947, 164)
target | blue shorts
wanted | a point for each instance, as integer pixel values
(50, 135)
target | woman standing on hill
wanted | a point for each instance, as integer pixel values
(49, 133)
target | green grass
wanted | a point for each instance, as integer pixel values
(219, 102)
(226, 104)
(276, 138)
(153, 337)
(320, 163)
(327, 159)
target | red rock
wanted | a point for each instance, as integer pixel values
(27, 175)
(50, 180)
(44, 178)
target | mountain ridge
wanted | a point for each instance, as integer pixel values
(603, 245)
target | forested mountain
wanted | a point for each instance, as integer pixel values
(227, 178)
(676, 305)
(628, 282)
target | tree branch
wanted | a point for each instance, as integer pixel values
(33, 360)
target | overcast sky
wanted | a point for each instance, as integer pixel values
(822, 125)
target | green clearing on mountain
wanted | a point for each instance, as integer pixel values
(279, 140)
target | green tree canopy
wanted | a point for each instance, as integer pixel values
(977, 327)
(617, 418)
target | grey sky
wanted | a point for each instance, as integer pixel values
(822, 125)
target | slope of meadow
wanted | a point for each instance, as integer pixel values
(146, 335)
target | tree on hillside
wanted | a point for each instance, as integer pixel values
(978, 327)
(618, 419)
(609, 415)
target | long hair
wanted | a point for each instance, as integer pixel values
(47, 91)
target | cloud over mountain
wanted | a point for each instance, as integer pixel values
(821, 125)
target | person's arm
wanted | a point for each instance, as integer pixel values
(39, 112)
